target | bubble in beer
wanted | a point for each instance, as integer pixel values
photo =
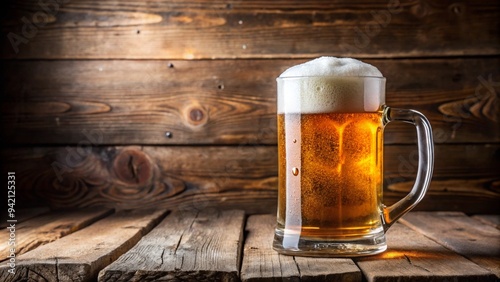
(295, 171)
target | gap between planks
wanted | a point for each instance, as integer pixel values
(23, 215)
(50, 227)
(190, 245)
(462, 234)
(262, 263)
(186, 245)
(410, 256)
(81, 255)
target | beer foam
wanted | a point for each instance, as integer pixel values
(330, 84)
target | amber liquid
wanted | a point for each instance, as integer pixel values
(330, 174)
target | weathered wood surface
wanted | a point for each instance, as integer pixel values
(224, 246)
(262, 263)
(248, 29)
(223, 101)
(477, 241)
(490, 219)
(49, 227)
(185, 178)
(195, 177)
(190, 246)
(81, 255)
(22, 215)
(413, 257)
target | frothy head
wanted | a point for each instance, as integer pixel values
(330, 84)
(332, 66)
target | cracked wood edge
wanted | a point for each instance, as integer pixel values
(81, 255)
(414, 256)
(187, 245)
(23, 215)
(456, 231)
(262, 263)
(50, 227)
(490, 219)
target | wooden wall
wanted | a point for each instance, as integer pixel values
(172, 103)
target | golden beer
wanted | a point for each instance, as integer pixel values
(332, 164)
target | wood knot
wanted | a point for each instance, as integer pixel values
(420, 10)
(133, 167)
(196, 115)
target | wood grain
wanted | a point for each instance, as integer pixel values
(49, 227)
(490, 219)
(241, 177)
(249, 29)
(188, 246)
(477, 241)
(185, 178)
(195, 177)
(90, 103)
(262, 263)
(413, 257)
(81, 255)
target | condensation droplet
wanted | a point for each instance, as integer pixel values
(295, 171)
(294, 140)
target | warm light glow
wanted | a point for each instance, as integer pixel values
(188, 54)
(412, 254)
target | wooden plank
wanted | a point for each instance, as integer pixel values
(22, 215)
(81, 255)
(490, 219)
(49, 227)
(223, 101)
(205, 29)
(185, 178)
(191, 246)
(229, 177)
(262, 263)
(477, 241)
(413, 257)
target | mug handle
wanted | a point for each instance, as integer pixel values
(425, 162)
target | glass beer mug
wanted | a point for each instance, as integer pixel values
(330, 150)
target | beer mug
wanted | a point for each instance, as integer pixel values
(330, 150)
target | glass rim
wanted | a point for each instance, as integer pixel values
(331, 76)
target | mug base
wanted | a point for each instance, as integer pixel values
(296, 245)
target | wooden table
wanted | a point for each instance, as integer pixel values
(208, 245)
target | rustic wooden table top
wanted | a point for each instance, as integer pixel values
(153, 245)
